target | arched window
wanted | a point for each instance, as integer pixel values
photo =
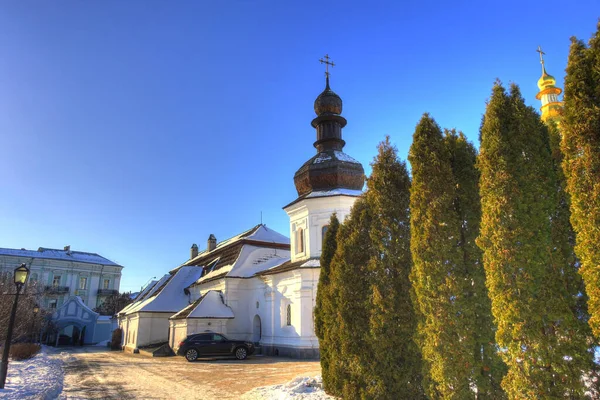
(324, 230)
(300, 240)
(288, 317)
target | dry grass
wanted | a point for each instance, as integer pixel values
(23, 351)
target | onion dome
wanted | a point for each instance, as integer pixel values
(328, 102)
(330, 168)
(546, 81)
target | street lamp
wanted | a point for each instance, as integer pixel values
(36, 310)
(20, 277)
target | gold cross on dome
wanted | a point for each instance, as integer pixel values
(539, 50)
(327, 64)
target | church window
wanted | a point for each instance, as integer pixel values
(106, 284)
(288, 317)
(56, 280)
(52, 304)
(324, 230)
(82, 282)
(300, 240)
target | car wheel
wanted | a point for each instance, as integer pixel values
(241, 353)
(191, 355)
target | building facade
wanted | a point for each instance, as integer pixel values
(65, 273)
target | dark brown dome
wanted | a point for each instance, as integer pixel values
(328, 102)
(328, 170)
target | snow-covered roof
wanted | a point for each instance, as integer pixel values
(148, 291)
(340, 155)
(252, 260)
(170, 296)
(290, 266)
(56, 254)
(211, 305)
(334, 192)
(259, 233)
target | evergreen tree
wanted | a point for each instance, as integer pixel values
(441, 283)
(581, 147)
(325, 308)
(563, 238)
(488, 368)
(348, 374)
(394, 367)
(537, 329)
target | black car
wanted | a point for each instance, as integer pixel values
(213, 344)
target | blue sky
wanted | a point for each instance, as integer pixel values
(135, 128)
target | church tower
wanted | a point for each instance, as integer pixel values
(328, 182)
(548, 94)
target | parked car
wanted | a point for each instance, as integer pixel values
(213, 344)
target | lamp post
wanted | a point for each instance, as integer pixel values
(20, 277)
(36, 309)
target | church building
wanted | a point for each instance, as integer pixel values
(257, 286)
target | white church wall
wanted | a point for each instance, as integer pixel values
(312, 215)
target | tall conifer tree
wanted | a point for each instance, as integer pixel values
(581, 147)
(350, 292)
(441, 283)
(537, 329)
(488, 368)
(325, 308)
(395, 360)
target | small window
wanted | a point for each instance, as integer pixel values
(289, 315)
(106, 284)
(257, 304)
(56, 280)
(52, 304)
(324, 230)
(82, 282)
(300, 240)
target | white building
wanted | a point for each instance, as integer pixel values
(73, 283)
(65, 273)
(256, 286)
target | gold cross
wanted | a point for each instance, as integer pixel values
(539, 50)
(327, 64)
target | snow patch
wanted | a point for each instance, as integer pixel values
(301, 387)
(340, 155)
(40, 377)
(322, 157)
(334, 192)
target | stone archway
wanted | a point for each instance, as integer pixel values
(257, 329)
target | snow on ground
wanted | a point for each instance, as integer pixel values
(40, 377)
(301, 387)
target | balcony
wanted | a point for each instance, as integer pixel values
(107, 292)
(56, 289)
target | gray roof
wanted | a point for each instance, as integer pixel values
(56, 254)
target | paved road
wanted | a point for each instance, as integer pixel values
(95, 373)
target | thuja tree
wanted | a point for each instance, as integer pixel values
(394, 365)
(488, 368)
(563, 239)
(537, 329)
(325, 308)
(442, 285)
(348, 374)
(581, 147)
